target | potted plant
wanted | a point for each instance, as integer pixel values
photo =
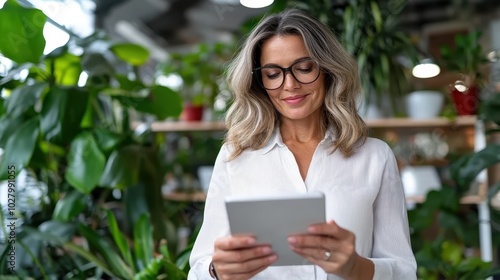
(465, 59)
(201, 73)
(64, 122)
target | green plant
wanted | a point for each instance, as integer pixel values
(73, 138)
(466, 57)
(443, 257)
(201, 72)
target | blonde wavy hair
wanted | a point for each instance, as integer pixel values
(252, 118)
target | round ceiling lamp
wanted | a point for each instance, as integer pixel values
(256, 3)
(426, 69)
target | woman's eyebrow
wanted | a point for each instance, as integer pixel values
(295, 61)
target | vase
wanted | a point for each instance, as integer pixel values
(466, 102)
(192, 113)
(424, 104)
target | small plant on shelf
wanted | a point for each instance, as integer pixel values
(465, 59)
(201, 74)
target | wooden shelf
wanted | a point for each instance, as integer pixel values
(186, 197)
(416, 123)
(179, 126)
(201, 197)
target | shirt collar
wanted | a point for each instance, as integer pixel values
(273, 141)
(277, 140)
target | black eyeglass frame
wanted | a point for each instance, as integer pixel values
(284, 70)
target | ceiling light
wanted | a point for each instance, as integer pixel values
(426, 69)
(256, 3)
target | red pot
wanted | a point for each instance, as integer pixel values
(192, 113)
(467, 102)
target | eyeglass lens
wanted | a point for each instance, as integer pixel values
(304, 72)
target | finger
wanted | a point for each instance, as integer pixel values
(236, 256)
(247, 266)
(320, 254)
(313, 241)
(330, 228)
(234, 242)
(242, 276)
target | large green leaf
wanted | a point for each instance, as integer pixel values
(107, 252)
(19, 148)
(7, 127)
(161, 102)
(62, 231)
(131, 53)
(143, 240)
(106, 139)
(2, 108)
(120, 240)
(85, 163)
(62, 113)
(122, 168)
(23, 98)
(66, 69)
(467, 170)
(72, 204)
(22, 32)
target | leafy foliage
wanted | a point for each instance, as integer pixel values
(65, 123)
(467, 55)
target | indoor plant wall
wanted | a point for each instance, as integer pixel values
(74, 139)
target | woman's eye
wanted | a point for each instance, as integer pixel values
(304, 70)
(272, 74)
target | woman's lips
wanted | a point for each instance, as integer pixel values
(295, 99)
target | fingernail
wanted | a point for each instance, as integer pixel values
(312, 229)
(266, 250)
(292, 239)
(272, 258)
(251, 241)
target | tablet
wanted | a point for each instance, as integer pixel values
(271, 219)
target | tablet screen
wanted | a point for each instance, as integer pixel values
(271, 219)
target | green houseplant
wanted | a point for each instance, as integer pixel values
(465, 59)
(443, 256)
(73, 139)
(201, 71)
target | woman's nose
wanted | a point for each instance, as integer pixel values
(290, 82)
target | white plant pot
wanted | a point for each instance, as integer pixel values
(424, 104)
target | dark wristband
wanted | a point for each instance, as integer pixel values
(212, 271)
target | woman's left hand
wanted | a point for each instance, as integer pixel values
(332, 248)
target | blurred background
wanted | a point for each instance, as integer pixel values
(111, 117)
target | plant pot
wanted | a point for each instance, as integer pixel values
(466, 102)
(424, 104)
(192, 113)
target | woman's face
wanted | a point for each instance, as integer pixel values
(293, 100)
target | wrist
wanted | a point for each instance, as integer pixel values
(362, 268)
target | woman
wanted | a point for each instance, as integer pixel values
(294, 127)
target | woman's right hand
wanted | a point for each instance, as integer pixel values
(239, 257)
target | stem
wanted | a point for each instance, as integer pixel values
(33, 257)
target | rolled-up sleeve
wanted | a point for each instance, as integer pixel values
(214, 222)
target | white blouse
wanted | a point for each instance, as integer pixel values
(363, 194)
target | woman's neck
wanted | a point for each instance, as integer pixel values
(301, 131)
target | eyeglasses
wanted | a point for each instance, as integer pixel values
(272, 77)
